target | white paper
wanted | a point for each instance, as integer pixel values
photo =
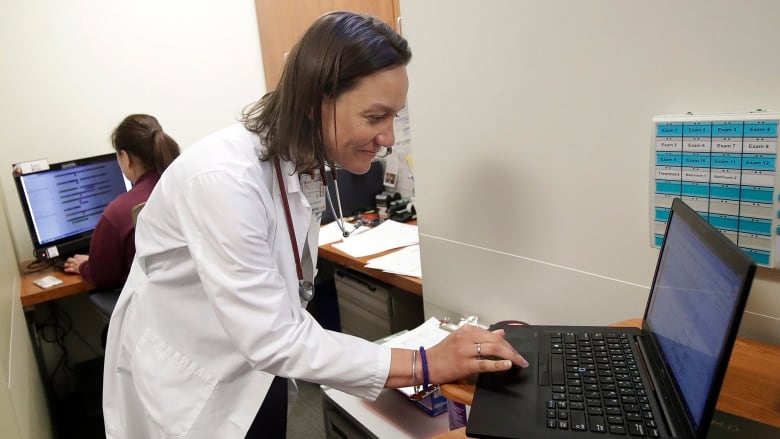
(402, 149)
(405, 262)
(331, 232)
(30, 167)
(426, 335)
(386, 236)
(47, 281)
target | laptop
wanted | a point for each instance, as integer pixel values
(729, 426)
(658, 381)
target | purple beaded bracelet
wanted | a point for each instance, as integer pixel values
(424, 360)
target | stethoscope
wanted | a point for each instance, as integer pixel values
(339, 219)
(305, 287)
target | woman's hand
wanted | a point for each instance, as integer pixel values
(463, 353)
(72, 264)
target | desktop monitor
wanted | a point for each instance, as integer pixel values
(62, 202)
(358, 191)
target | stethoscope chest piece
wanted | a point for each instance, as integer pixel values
(305, 290)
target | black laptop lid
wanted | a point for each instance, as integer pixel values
(696, 302)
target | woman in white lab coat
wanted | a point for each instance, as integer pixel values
(212, 319)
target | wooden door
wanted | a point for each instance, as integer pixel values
(282, 22)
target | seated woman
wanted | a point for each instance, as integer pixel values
(143, 150)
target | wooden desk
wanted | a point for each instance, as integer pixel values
(751, 388)
(406, 283)
(31, 294)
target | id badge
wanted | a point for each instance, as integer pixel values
(314, 192)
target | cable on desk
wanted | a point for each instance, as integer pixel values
(36, 266)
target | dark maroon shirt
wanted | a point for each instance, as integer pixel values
(112, 246)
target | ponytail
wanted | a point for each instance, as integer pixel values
(164, 151)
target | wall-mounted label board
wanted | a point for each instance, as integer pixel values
(724, 167)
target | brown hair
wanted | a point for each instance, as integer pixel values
(142, 136)
(337, 50)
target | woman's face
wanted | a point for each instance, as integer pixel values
(364, 119)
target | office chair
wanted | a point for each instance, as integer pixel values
(105, 300)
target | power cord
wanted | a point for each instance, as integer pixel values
(36, 266)
(53, 329)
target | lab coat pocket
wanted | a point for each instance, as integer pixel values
(172, 387)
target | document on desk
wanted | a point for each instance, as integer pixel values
(386, 236)
(405, 262)
(426, 335)
(47, 281)
(331, 232)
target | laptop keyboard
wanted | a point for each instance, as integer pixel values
(596, 386)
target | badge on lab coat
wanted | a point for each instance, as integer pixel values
(313, 189)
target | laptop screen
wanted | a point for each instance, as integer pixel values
(694, 298)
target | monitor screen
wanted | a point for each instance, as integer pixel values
(357, 191)
(63, 203)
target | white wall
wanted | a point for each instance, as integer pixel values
(71, 70)
(531, 124)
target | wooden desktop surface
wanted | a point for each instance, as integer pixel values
(32, 294)
(751, 388)
(407, 283)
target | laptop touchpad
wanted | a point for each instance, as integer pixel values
(515, 375)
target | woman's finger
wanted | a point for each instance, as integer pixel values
(493, 365)
(502, 350)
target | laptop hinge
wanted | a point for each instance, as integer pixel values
(665, 411)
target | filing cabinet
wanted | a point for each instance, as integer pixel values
(372, 309)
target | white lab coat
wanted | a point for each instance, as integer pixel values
(210, 311)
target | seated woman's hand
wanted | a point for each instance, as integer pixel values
(470, 350)
(72, 264)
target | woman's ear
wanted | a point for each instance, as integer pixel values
(126, 163)
(122, 156)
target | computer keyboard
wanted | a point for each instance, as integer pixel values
(58, 263)
(596, 386)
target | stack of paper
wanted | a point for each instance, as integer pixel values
(426, 335)
(331, 232)
(386, 236)
(405, 262)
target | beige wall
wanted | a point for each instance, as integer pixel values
(23, 410)
(531, 126)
